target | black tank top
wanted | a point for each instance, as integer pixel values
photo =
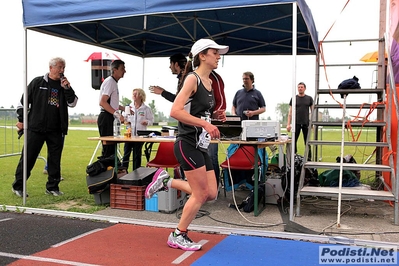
(200, 105)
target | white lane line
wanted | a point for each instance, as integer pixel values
(6, 219)
(76, 237)
(35, 258)
(187, 254)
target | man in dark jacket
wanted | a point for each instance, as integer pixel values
(49, 97)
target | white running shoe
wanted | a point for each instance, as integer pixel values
(158, 183)
(183, 242)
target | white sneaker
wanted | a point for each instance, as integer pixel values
(19, 193)
(159, 181)
(55, 193)
(183, 242)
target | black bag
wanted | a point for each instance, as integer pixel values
(349, 84)
(95, 168)
(247, 204)
(311, 177)
(101, 165)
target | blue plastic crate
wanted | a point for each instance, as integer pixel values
(152, 204)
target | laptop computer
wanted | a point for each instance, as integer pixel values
(230, 129)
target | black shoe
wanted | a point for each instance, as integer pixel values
(19, 193)
(55, 193)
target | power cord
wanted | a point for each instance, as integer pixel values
(314, 201)
(202, 213)
(233, 192)
(251, 226)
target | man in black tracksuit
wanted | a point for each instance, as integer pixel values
(49, 97)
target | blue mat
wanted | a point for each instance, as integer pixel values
(250, 250)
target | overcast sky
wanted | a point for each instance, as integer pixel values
(273, 74)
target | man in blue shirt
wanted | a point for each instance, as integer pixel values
(248, 103)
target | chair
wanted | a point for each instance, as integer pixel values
(164, 156)
(242, 159)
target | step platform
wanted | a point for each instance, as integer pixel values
(142, 176)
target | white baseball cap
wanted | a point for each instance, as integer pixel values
(203, 44)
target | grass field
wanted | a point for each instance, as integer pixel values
(78, 151)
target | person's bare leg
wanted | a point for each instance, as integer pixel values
(203, 188)
(182, 185)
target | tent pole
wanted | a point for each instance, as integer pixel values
(142, 74)
(25, 115)
(292, 163)
(341, 164)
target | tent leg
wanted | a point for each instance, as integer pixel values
(95, 151)
(341, 164)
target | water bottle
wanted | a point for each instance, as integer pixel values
(117, 127)
(326, 115)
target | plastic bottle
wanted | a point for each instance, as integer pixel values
(117, 127)
(326, 115)
(128, 132)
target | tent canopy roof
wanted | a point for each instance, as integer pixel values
(154, 28)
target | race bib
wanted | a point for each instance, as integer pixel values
(204, 138)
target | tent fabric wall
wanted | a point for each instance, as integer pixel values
(155, 28)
